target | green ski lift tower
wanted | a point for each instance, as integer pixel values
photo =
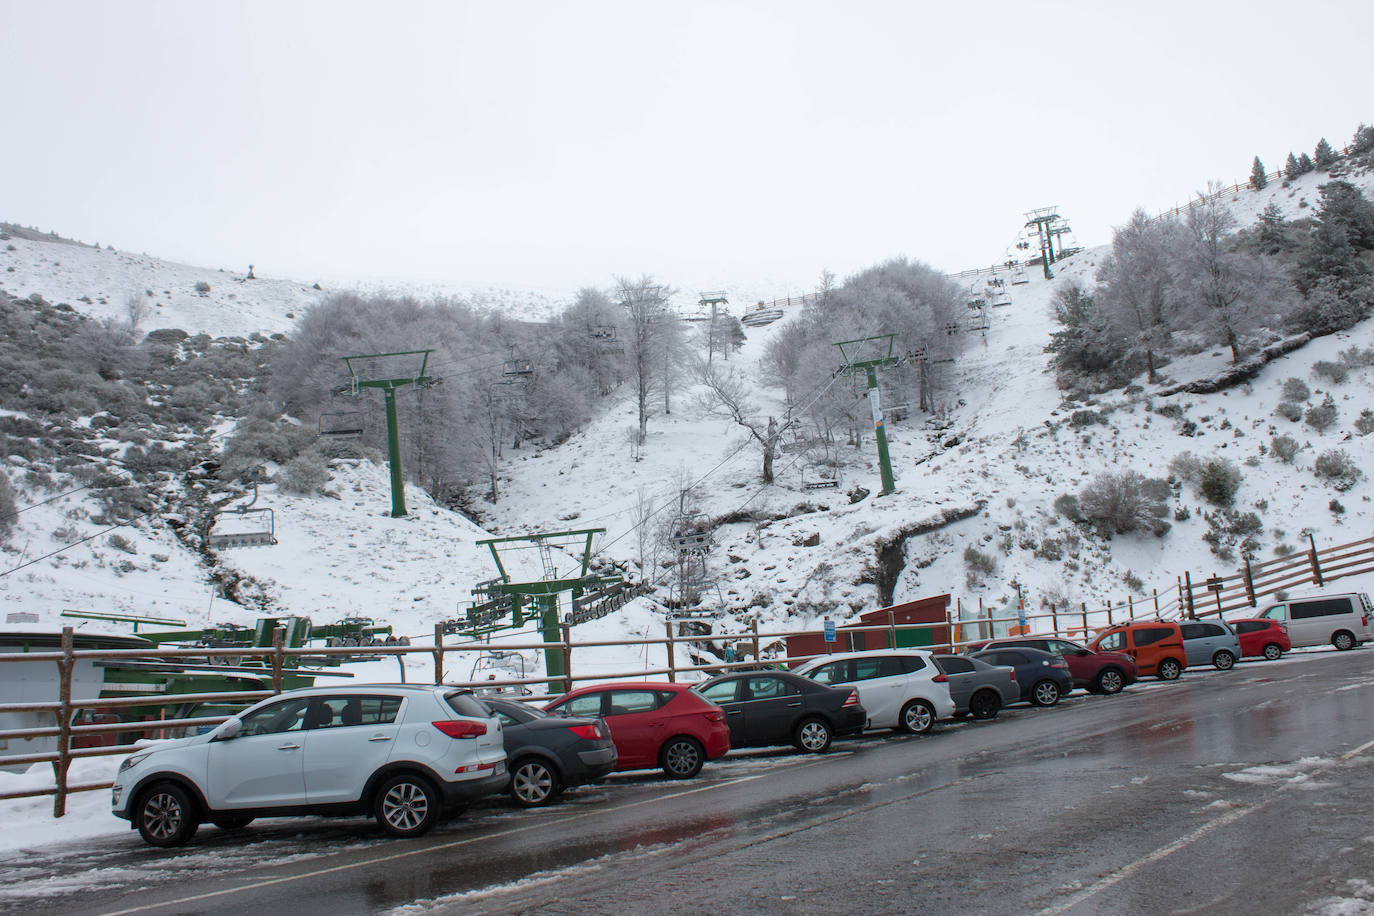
(388, 372)
(544, 592)
(1048, 227)
(868, 355)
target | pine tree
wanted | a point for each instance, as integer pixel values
(1291, 169)
(1305, 164)
(1258, 181)
(1323, 157)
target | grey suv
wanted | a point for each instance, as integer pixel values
(402, 754)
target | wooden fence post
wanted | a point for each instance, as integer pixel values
(1130, 607)
(438, 653)
(1109, 612)
(949, 630)
(672, 666)
(567, 656)
(1249, 582)
(64, 724)
(278, 656)
(754, 627)
(1156, 591)
(1312, 556)
(1054, 619)
(1188, 586)
(1085, 620)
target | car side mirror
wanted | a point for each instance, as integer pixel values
(229, 730)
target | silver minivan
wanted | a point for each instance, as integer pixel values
(1210, 643)
(1341, 620)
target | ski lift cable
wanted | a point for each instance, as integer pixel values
(77, 543)
(16, 513)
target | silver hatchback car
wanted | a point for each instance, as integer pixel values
(1211, 642)
(401, 753)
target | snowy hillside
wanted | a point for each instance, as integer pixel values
(985, 475)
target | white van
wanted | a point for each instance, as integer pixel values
(1315, 620)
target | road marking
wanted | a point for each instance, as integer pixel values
(1168, 850)
(537, 824)
(1138, 864)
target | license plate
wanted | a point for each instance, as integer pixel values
(500, 768)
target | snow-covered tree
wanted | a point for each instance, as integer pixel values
(1258, 177)
(1323, 157)
(1135, 287)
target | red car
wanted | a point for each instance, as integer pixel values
(653, 725)
(1261, 636)
(1099, 672)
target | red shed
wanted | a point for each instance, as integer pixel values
(931, 611)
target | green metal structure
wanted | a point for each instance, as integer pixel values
(544, 592)
(361, 365)
(859, 356)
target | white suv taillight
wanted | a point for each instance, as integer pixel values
(852, 699)
(461, 728)
(941, 678)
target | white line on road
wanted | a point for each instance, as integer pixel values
(540, 823)
(1164, 851)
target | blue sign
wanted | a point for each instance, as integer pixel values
(829, 630)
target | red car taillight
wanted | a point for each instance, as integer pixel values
(852, 699)
(715, 715)
(1059, 663)
(941, 678)
(461, 728)
(1012, 671)
(590, 732)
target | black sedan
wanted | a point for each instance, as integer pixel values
(547, 754)
(777, 707)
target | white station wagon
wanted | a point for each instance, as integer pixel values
(901, 688)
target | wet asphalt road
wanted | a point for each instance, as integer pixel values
(1244, 791)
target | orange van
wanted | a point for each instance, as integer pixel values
(1156, 646)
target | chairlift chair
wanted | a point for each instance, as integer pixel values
(1018, 275)
(517, 368)
(820, 477)
(345, 424)
(263, 533)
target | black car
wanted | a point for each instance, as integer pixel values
(547, 754)
(1043, 676)
(777, 707)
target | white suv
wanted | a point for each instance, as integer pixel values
(400, 753)
(900, 688)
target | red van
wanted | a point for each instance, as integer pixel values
(1156, 646)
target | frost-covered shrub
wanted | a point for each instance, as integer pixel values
(256, 441)
(979, 564)
(1336, 372)
(1186, 466)
(305, 474)
(1336, 507)
(203, 287)
(1289, 410)
(1050, 549)
(1323, 416)
(1337, 468)
(120, 542)
(8, 509)
(1356, 358)
(1295, 389)
(1365, 424)
(1066, 504)
(1285, 448)
(1118, 503)
(1219, 482)
(1081, 418)
(1173, 411)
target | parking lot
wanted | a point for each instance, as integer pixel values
(1221, 792)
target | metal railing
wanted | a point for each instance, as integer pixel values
(1210, 596)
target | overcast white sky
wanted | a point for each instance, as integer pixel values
(554, 145)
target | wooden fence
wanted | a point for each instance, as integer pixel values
(1196, 597)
